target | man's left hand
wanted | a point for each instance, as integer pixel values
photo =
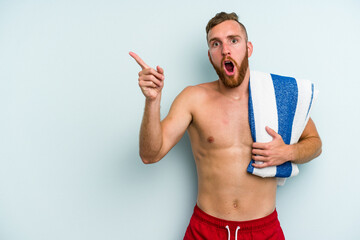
(272, 153)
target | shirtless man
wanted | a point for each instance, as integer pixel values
(231, 203)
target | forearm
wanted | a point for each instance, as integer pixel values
(276, 152)
(306, 150)
(150, 131)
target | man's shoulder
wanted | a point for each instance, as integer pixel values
(196, 95)
(199, 89)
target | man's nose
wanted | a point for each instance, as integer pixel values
(225, 50)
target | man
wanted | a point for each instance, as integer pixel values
(231, 203)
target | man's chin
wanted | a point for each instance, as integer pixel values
(232, 82)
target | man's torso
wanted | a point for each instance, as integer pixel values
(221, 143)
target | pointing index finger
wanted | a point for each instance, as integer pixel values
(142, 64)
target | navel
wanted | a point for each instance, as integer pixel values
(235, 203)
(211, 139)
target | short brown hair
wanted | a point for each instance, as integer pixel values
(221, 17)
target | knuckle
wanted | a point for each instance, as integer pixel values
(144, 71)
(152, 71)
(151, 78)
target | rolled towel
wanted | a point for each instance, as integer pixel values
(283, 104)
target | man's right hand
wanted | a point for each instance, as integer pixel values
(151, 81)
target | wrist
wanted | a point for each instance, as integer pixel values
(155, 102)
(152, 100)
(292, 152)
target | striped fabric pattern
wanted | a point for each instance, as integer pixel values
(283, 104)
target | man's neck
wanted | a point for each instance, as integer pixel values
(237, 93)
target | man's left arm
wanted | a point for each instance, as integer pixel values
(277, 152)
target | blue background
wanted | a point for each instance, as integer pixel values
(71, 110)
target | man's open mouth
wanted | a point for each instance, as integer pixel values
(229, 67)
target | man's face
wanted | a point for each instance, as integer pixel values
(229, 52)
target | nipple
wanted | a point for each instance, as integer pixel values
(210, 139)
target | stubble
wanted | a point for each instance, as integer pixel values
(231, 81)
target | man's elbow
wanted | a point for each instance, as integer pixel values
(319, 151)
(148, 160)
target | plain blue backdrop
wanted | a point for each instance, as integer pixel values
(71, 110)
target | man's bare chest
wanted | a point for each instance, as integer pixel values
(222, 125)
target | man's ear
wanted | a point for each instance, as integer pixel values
(209, 55)
(250, 48)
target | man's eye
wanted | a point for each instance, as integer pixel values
(215, 44)
(234, 40)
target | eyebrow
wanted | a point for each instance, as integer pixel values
(214, 39)
(230, 36)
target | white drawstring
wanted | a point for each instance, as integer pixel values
(227, 227)
(237, 229)
(236, 232)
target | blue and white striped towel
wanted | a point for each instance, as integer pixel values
(283, 104)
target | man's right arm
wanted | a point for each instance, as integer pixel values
(150, 131)
(158, 137)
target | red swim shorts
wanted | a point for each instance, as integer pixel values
(203, 226)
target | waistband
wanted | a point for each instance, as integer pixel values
(256, 224)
